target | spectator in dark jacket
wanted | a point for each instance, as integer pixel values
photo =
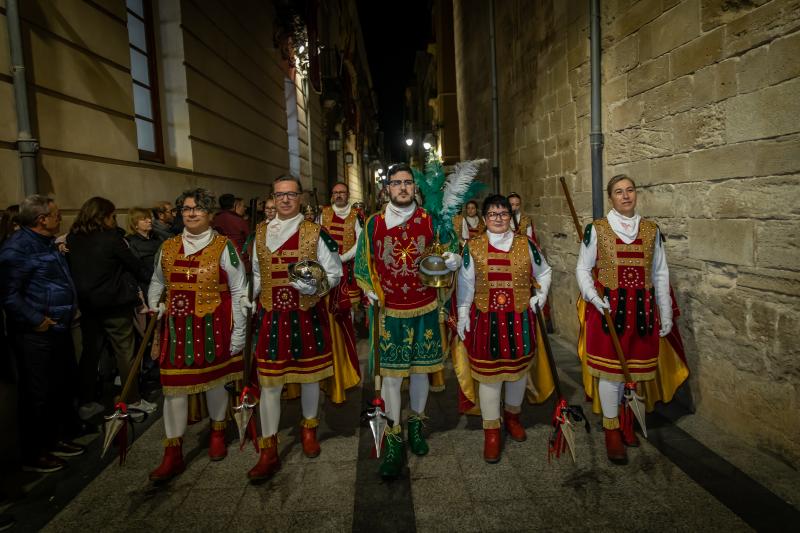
(164, 220)
(40, 302)
(143, 241)
(106, 275)
(229, 222)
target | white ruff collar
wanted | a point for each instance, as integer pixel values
(501, 241)
(279, 231)
(341, 212)
(194, 243)
(472, 221)
(398, 215)
(627, 228)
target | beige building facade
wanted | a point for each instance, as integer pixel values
(230, 112)
(699, 104)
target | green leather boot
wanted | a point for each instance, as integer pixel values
(393, 453)
(416, 442)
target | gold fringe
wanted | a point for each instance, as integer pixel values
(202, 387)
(309, 423)
(394, 373)
(278, 381)
(513, 409)
(491, 424)
(170, 443)
(410, 313)
(499, 378)
(264, 443)
(396, 429)
(610, 376)
(219, 425)
(611, 423)
(205, 370)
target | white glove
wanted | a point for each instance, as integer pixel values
(303, 287)
(373, 298)
(159, 310)
(666, 327)
(538, 299)
(452, 261)
(463, 322)
(601, 304)
(246, 306)
(237, 343)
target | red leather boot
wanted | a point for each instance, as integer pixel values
(217, 449)
(268, 461)
(491, 444)
(514, 427)
(172, 464)
(615, 448)
(308, 436)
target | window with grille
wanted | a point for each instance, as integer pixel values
(145, 86)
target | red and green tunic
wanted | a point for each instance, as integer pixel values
(292, 338)
(196, 335)
(623, 274)
(387, 263)
(343, 231)
(501, 340)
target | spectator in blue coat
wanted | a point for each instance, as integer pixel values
(39, 299)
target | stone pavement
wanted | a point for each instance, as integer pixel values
(451, 489)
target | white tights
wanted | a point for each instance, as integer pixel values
(489, 396)
(610, 393)
(418, 395)
(269, 406)
(176, 410)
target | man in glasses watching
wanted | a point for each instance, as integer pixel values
(496, 319)
(291, 332)
(406, 311)
(204, 330)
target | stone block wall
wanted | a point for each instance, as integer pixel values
(700, 99)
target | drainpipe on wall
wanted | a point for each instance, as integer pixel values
(596, 134)
(26, 144)
(495, 114)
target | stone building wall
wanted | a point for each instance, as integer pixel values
(222, 103)
(700, 105)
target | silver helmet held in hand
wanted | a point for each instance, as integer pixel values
(312, 273)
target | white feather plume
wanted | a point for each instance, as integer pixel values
(457, 185)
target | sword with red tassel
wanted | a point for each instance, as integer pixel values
(563, 436)
(116, 425)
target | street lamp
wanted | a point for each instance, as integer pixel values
(427, 143)
(409, 141)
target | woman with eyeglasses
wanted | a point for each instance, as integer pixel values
(496, 302)
(203, 330)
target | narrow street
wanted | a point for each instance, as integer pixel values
(687, 477)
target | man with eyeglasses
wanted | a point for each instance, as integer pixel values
(203, 330)
(496, 303)
(40, 302)
(164, 220)
(344, 223)
(292, 332)
(409, 340)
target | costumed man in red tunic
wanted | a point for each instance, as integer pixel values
(203, 331)
(344, 224)
(631, 280)
(496, 318)
(409, 342)
(292, 336)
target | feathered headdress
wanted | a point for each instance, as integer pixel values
(444, 196)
